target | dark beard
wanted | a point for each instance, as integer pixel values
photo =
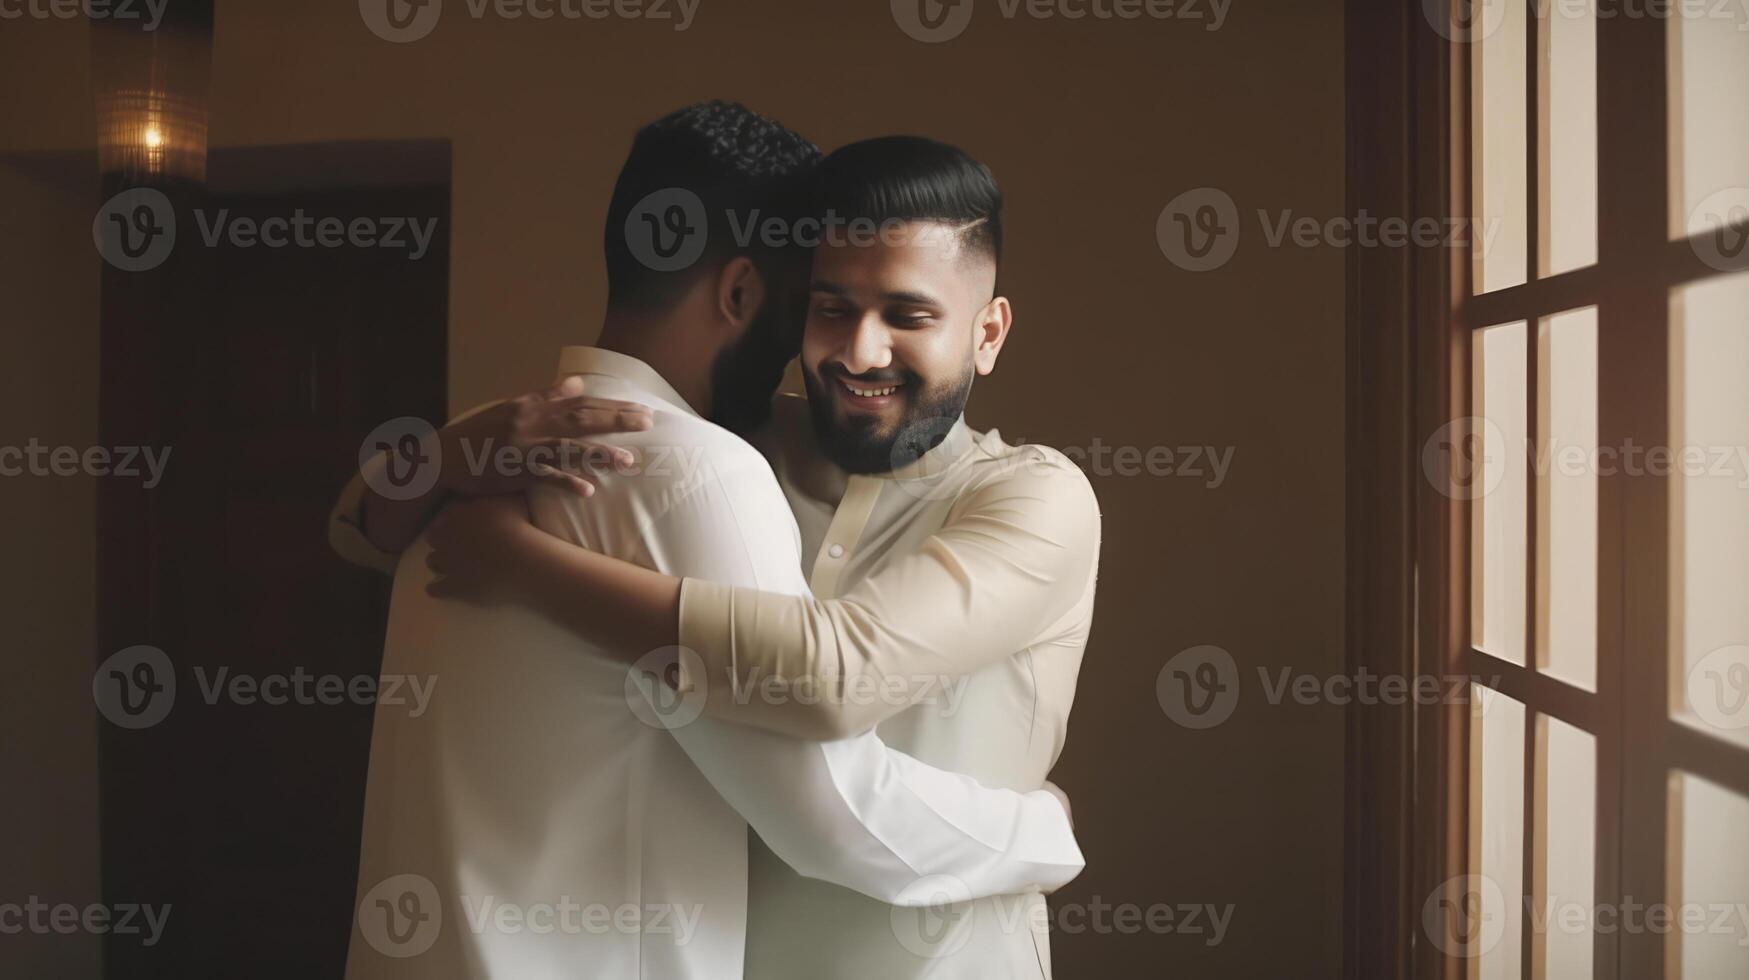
(857, 446)
(746, 374)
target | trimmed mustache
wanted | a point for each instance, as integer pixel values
(871, 378)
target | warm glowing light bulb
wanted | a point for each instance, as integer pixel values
(154, 139)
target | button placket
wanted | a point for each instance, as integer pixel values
(847, 525)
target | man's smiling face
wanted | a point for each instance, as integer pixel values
(892, 341)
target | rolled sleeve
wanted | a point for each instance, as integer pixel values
(1014, 559)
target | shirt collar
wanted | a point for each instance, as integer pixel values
(596, 360)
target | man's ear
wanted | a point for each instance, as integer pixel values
(990, 333)
(740, 292)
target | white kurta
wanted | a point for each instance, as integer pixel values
(553, 815)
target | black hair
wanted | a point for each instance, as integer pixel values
(740, 165)
(912, 178)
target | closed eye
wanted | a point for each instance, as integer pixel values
(910, 318)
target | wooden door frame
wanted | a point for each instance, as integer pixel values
(1405, 140)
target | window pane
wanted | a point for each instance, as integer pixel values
(1712, 941)
(1499, 142)
(1568, 100)
(1497, 818)
(1566, 503)
(1567, 840)
(1497, 517)
(1709, 120)
(1709, 504)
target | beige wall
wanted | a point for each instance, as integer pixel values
(1092, 126)
(48, 728)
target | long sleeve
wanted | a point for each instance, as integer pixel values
(859, 814)
(853, 812)
(1016, 555)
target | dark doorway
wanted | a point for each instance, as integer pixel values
(261, 368)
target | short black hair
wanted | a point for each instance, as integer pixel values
(912, 178)
(736, 161)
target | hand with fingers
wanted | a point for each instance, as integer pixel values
(474, 548)
(545, 436)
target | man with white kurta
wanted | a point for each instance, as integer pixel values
(553, 814)
(938, 555)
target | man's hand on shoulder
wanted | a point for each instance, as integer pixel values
(507, 447)
(543, 436)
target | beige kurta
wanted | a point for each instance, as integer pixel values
(964, 583)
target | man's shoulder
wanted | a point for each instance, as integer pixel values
(1042, 480)
(680, 451)
(997, 460)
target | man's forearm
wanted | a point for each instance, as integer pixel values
(391, 525)
(624, 608)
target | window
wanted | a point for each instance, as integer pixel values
(1605, 309)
